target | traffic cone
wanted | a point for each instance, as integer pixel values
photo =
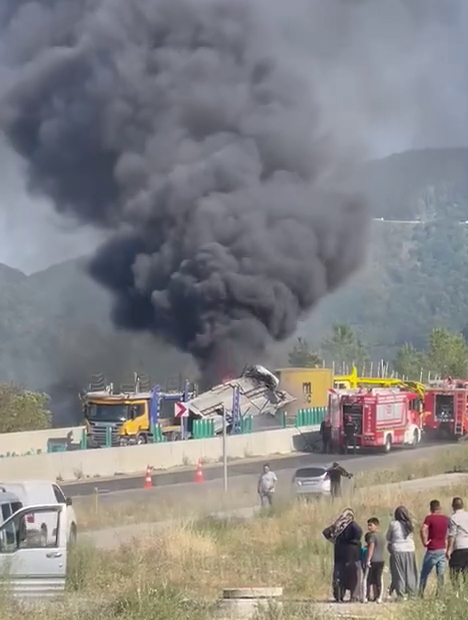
(199, 472)
(148, 479)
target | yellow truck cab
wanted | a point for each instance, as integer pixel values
(125, 418)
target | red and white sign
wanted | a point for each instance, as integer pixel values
(180, 410)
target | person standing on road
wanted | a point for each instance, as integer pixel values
(434, 538)
(457, 541)
(266, 486)
(403, 567)
(326, 435)
(350, 434)
(335, 473)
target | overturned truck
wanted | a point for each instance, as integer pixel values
(255, 393)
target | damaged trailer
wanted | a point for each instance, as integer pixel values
(255, 393)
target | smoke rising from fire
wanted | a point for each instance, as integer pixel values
(178, 126)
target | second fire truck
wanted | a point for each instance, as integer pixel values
(446, 409)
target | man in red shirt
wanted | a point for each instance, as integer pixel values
(434, 538)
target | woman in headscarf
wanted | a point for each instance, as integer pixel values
(345, 534)
(403, 568)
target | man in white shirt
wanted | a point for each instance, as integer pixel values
(457, 541)
(266, 486)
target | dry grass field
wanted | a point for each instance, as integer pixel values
(179, 574)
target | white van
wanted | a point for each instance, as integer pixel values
(37, 492)
(33, 572)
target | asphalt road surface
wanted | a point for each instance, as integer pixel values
(354, 464)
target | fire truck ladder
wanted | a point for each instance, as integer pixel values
(460, 412)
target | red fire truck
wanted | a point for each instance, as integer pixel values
(382, 417)
(446, 409)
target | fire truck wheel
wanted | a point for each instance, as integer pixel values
(388, 444)
(415, 442)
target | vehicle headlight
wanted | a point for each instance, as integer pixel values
(299, 483)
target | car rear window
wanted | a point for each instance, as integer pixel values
(310, 472)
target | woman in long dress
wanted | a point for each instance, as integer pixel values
(403, 567)
(345, 534)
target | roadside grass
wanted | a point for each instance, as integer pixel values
(179, 574)
(179, 501)
(441, 460)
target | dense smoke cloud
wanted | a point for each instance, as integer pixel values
(193, 129)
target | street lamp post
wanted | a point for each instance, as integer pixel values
(225, 472)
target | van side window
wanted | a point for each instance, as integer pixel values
(6, 511)
(59, 496)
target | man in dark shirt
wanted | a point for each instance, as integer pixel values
(326, 435)
(434, 538)
(335, 473)
(350, 434)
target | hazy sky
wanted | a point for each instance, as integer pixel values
(391, 75)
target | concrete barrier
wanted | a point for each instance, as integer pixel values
(36, 442)
(107, 462)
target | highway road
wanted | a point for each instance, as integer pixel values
(284, 464)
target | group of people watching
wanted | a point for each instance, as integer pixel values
(358, 567)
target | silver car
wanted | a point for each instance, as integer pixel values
(311, 481)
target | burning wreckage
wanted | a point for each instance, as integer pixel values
(254, 393)
(142, 414)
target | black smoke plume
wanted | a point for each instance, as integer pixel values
(179, 126)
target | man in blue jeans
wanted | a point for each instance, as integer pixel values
(434, 538)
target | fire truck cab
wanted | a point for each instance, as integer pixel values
(382, 417)
(446, 409)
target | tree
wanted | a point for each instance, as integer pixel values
(344, 346)
(301, 356)
(409, 362)
(448, 353)
(22, 410)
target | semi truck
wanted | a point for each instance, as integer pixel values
(131, 417)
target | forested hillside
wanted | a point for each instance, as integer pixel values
(55, 326)
(55, 331)
(416, 275)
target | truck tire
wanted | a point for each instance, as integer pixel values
(141, 439)
(416, 439)
(388, 444)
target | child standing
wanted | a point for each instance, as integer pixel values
(375, 560)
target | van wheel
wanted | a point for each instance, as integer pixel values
(388, 444)
(43, 538)
(415, 442)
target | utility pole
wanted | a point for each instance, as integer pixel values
(225, 472)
